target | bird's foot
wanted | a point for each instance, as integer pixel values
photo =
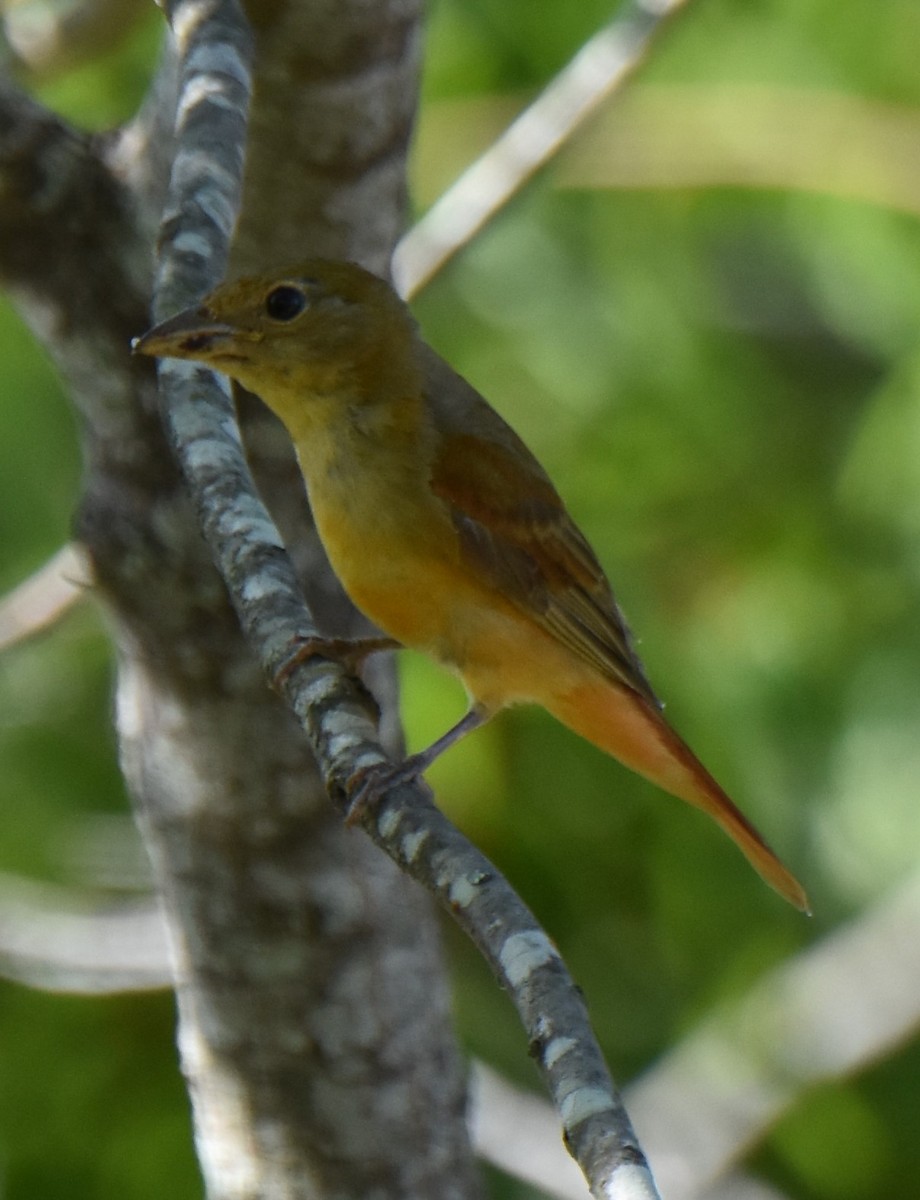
(367, 787)
(349, 652)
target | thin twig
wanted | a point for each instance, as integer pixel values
(829, 1012)
(515, 1130)
(743, 1187)
(707, 1101)
(45, 597)
(602, 65)
(63, 940)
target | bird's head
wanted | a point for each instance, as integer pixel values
(318, 327)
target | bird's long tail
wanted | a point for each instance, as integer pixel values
(633, 731)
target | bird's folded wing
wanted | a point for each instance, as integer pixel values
(516, 534)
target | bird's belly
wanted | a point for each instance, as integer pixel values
(416, 589)
(398, 573)
(415, 606)
(502, 656)
(405, 572)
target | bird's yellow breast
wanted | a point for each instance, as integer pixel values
(391, 560)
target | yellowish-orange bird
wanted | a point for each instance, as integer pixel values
(442, 526)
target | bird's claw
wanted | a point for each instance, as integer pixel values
(350, 652)
(368, 786)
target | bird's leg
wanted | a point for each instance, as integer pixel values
(350, 652)
(418, 763)
(368, 786)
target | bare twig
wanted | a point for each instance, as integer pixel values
(828, 1013)
(516, 1131)
(61, 940)
(336, 714)
(597, 1129)
(601, 65)
(205, 187)
(700, 1109)
(44, 597)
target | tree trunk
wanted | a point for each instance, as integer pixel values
(313, 1014)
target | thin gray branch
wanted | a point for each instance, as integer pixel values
(827, 1013)
(334, 710)
(48, 39)
(516, 1131)
(61, 940)
(45, 597)
(597, 1129)
(602, 65)
(790, 1032)
(215, 81)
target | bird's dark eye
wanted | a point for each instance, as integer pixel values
(285, 302)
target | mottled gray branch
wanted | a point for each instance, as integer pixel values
(551, 1008)
(340, 721)
(698, 1118)
(203, 200)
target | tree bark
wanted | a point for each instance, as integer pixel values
(313, 1014)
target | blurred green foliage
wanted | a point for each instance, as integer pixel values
(723, 383)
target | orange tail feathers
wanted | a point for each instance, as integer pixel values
(626, 726)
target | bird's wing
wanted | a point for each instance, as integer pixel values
(515, 532)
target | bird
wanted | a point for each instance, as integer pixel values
(442, 526)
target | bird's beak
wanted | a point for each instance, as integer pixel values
(194, 333)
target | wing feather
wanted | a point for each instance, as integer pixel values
(515, 532)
